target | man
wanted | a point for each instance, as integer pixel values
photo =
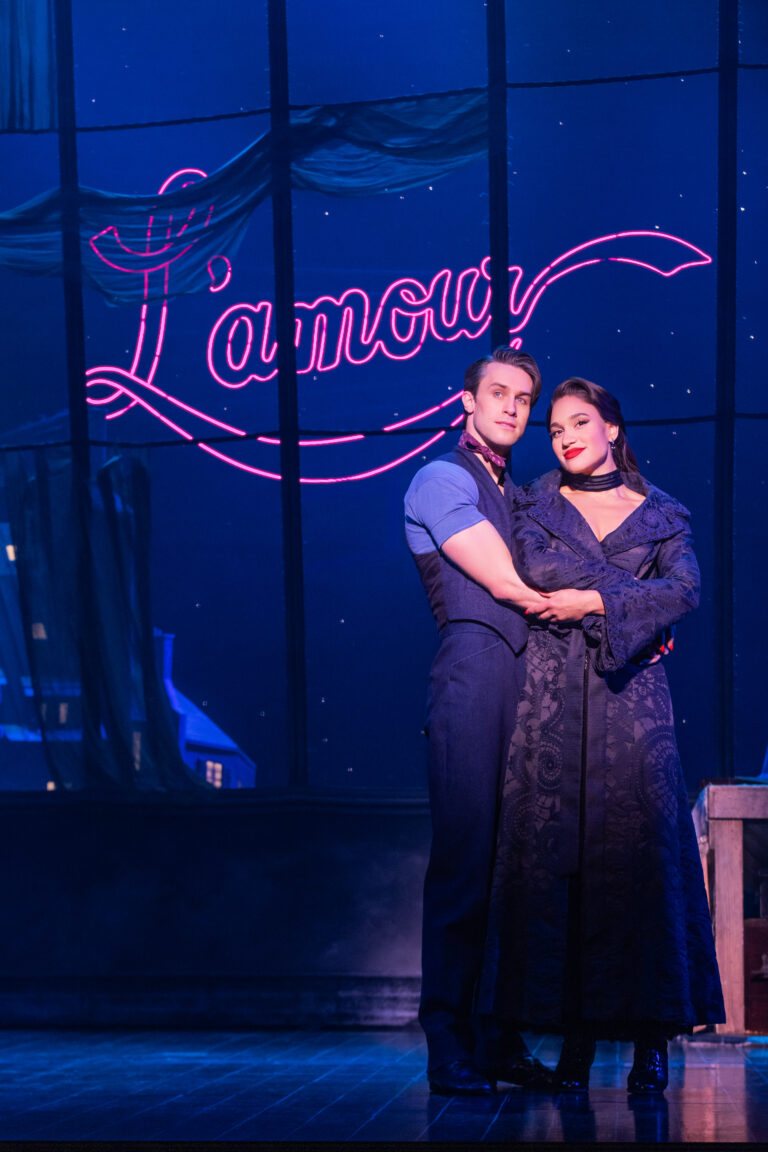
(457, 522)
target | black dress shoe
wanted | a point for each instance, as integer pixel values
(572, 1072)
(459, 1078)
(649, 1071)
(524, 1070)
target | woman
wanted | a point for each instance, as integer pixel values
(599, 924)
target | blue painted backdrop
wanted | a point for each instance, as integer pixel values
(585, 161)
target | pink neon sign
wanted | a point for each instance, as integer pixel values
(241, 349)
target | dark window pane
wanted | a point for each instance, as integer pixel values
(752, 295)
(641, 320)
(217, 551)
(217, 588)
(370, 636)
(557, 40)
(753, 32)
(342, 52)
(147, 61)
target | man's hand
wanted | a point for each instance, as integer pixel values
(532, 601)
(569, 606)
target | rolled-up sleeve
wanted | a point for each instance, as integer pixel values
(441, 501)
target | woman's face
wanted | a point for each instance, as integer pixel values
(580, 436)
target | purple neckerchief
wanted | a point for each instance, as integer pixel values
(467, 441)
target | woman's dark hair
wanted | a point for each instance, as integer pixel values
(610, 410)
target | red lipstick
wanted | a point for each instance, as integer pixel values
(569, 455)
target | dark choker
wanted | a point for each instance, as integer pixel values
(581, 482)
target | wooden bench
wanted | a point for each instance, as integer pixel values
(718, 816)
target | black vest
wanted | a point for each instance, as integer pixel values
(453, 595)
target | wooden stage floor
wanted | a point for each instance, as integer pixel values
(348, 1086)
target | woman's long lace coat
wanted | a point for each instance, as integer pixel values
(598, 910)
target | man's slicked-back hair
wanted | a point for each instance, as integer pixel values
(504, 355)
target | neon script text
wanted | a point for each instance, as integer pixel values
(350, 327)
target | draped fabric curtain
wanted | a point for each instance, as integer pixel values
(27, 66)
(129, 740)
(343, 150)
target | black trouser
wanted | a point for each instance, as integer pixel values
(473, 693)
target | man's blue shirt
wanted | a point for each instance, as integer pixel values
(442, 500)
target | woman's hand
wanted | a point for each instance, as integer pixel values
(569, 606)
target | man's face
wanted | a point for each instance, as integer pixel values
(498, 414)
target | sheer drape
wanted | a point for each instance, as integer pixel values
(27, 66)
(128, 739)
(343, 150)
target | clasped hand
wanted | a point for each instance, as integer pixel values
(567, 606)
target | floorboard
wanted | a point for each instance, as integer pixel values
(338, 1087)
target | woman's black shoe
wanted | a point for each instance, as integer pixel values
(649, 1071)
(572, 1072)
